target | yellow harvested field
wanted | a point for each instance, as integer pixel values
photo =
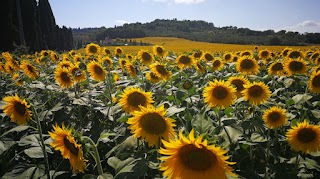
(178, 45)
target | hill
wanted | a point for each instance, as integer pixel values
(196, 31)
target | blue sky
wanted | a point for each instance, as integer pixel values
(294, 15)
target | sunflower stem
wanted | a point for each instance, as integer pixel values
(43, 147)
(96, 154)
(297, 164)
(267, 154)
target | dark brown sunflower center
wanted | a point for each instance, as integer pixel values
(227, 57)
(295, 66)
(159, 50)
(316, 81)
(20, 108)
(70, 146)
(306, 135)
(45, 54)
(153, 123)
(65, 77)
(135, 99)
(264, 54)
(285, 53)
(246, 53)
(197, 54)
(216, 63)
(235, 59)
(93, 49)
(246, 64)
(220, 92)
(294, 54)
(255, 91)
(146, 56)
(161, 70)
(98, 70)
(277, 67)
(185, 60)
(119, 51)
(107, 51)
(273, 117)
(198, 159)
(30, 69)
(238, 84)
(208, 57)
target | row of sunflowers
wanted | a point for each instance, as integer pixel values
(160, 114)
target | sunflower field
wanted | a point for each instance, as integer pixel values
(102, 112)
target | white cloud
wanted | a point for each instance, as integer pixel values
(176, 1)
(121, 22)
(305, 26)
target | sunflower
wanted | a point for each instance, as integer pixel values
(9, 68)
(285, 52)
(2, 68)
(151, 124)
(197, 54)
(304, 137)
(295, 66)
(314, 82)
(132, 98)
(219, 93)
(14, 64)
(235, 58)
(227, 57)
(190, 157)
(246, 53)
(256, 93)
(159, 50)
(106, 61)
(317, 61)
(246, 65)
(275, 117)
(153, 77)
(17, 109)
(295, 54)
(160, 71)
(238, 82)
(69, 148)
(105, 51)
(217, 64)
(118, 51)
(315, 55)
(96, 70)
(200, 67)
(65, 64)
(92, 49)
(207, 57)
(115, 77)
(264, 54)
(184, 61)
(17, 79)
(77, 58)
(63, 77)
(54, 57)
(276, 68)
(131, 69)
(78, 74)
(29, 69)
(145, 57)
